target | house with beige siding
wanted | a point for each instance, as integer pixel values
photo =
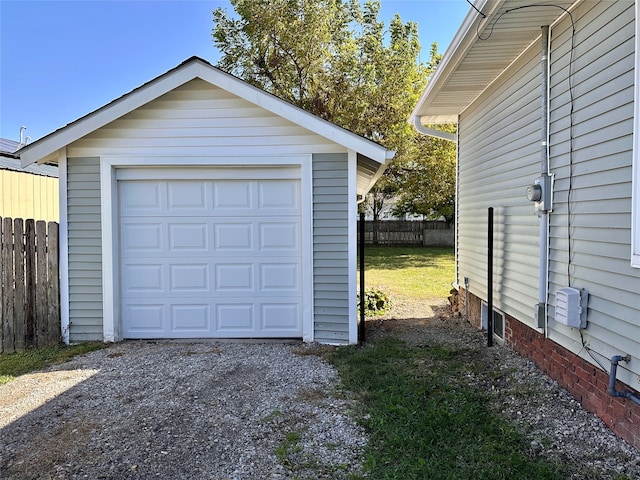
(198, 206)
(30, 192)
(546, 101)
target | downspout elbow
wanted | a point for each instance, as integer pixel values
(611, 388)
(420, 128)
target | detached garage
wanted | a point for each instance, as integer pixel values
(198, 206)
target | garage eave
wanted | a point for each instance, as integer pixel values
(193, 68)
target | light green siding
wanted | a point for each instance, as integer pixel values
(330, 248)
(500, 155)
(591, 155)
(85, 249)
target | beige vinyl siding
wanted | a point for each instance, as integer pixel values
(599, 145)
(24, 195)
(199, 119)
(330, 248)
(499, 148)
(85, 249)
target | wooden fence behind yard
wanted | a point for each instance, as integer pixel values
(29, 284)
(408, 232)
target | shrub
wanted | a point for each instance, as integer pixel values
(376, 302)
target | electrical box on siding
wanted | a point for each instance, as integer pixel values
(571, 307)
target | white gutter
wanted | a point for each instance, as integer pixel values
(420, 128)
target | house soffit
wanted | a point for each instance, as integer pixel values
(482, 50)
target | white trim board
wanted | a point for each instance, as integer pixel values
(113, 168)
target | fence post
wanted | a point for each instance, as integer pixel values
(41, 283)
(8, 345)
(30, 282)
(54, 284)
(19, 292)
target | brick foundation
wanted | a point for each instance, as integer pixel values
(587, 384)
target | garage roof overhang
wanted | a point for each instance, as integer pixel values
(46, 149)
(492, 36)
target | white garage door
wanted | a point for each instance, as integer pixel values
(210, 257)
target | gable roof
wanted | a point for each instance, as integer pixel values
(489, 40)
(45, 149)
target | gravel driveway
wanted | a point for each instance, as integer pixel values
(180, 411)
(261, 411)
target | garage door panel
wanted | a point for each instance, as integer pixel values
(232, 277)
(279, 317)
(232, 236)
(281, 196)
(140, 198)
(146, 237)
(147, 319)
(234, 317)
(233, 196)
(192, 318)
(281, 236)
(192, 196)
(139, 278)
(188, 237)
(210, 258)
(280, 277)
(192, 278)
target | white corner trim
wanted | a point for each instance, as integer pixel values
(635, 195)
(110, 307)
(306, 193)
(353, 245)
(63, 241)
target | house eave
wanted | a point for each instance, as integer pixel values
(482, 49)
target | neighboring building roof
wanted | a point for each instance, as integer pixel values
(484, 46)
(45, 149)
(10, 161)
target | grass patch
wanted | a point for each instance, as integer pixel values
(289, 446)
(425, 422)
(14, 364)
(414, 272)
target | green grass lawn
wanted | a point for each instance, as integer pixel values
(426, 422)
(413, 272)
(14, 364)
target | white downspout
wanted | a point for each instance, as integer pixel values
(546, 183)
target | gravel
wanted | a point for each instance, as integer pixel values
(246, 411)
(181, 411)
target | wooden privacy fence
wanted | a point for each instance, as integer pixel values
(29, 284)
(408, 232)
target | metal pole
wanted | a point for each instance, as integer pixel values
(361, 329)
(490, 277)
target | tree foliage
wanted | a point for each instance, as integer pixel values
(337, 60)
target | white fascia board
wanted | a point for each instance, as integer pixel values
(294, 114)
(106, 114)
(464, 38)
(197, 68)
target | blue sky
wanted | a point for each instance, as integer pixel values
(60, 60)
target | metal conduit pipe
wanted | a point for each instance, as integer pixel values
(611, 389)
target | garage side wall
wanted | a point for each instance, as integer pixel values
(330, 248)
(85, 249)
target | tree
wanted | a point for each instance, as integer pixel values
(428, 178)
(335, 59)
(332, 58)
